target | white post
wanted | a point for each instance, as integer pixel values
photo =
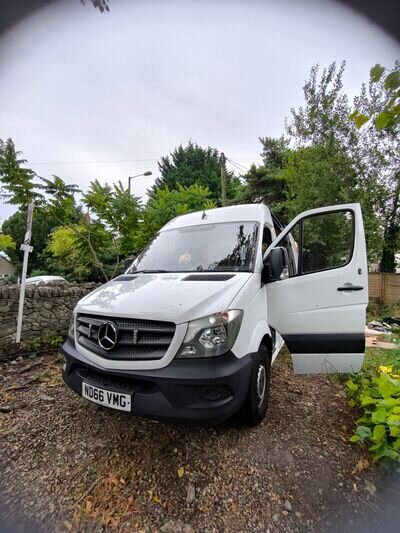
(26, 249)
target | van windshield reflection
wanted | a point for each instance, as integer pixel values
(228, 246)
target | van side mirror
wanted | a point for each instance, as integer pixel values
(275, 265)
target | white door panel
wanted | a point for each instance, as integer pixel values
(322, 324)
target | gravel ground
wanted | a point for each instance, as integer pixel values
(67, 464)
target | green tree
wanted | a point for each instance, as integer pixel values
(6, 242)
(107, 230)
(266, 183)
(42, 225)
(118, 210)
(166, 204)
(362, 175)
(193, 164)
(67, 254)
(377, 116)
(17, 183)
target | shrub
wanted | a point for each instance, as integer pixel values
(377, 395)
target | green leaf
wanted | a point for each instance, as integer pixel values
(389, 402)
(393, 420)
(363, 432)
(388, 386)
(376, 72)
(367, 400)
(379, 433)
(355, 438)
(386, 452)
(360, 120)
(382, 120)
(379, 416)
(392, 81)
(394, 431)
(351, 386)
(363, 420)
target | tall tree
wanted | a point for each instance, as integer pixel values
(118, 210)
(266, 183)
(193, 164)
(17, 183)
(324, 122)
(107, 231)
(377, 115)
(166, 204)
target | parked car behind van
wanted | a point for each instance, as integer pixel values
(35, 280)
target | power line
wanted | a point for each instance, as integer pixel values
(105, 161)
(239, 167)
(91, 162)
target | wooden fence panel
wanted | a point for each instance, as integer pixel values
(384, 287)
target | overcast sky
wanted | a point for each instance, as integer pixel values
(86, 95)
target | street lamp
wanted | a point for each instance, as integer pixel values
(148, 173)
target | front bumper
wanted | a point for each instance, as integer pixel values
(199, 390)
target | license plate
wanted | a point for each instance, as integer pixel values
(115, 400)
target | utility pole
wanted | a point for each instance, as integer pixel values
(26, 248)
(222, 160)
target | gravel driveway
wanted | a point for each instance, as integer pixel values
(67, 464)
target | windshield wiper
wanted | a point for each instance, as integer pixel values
(149, 272)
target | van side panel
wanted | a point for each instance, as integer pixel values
(252, 298)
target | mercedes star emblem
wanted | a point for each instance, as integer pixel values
(108, 336)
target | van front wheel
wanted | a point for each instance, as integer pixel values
(256, 403)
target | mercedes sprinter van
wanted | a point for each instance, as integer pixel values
(191, 329)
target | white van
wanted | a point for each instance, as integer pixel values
(191, 329)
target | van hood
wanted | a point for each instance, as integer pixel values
(165, 297)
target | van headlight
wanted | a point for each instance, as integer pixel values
(211, 335)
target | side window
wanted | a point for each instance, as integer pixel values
(291, 242)
(266, 239)
(277, 226)
(327, 241)
(320, 242)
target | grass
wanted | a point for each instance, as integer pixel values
(375, 357)
(378, 311)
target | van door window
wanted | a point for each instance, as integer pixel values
(327, 241)
(320, 242)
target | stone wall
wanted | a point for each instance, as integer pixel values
(47, 310)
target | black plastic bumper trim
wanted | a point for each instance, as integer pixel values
(326, 343)
(198, 390)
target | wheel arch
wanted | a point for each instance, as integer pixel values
(268, 343)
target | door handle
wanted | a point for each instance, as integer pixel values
(350, 288)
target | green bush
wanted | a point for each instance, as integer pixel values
(377, 396)
(36, 344)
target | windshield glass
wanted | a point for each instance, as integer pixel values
(209, 247)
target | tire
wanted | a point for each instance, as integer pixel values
(256, 404)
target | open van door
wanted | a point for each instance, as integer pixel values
(317, 301)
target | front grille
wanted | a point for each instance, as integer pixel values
(136, 340)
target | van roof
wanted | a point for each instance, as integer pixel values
(234, 213)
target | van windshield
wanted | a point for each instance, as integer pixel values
(226, 246)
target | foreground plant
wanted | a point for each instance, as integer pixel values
(378, 398)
